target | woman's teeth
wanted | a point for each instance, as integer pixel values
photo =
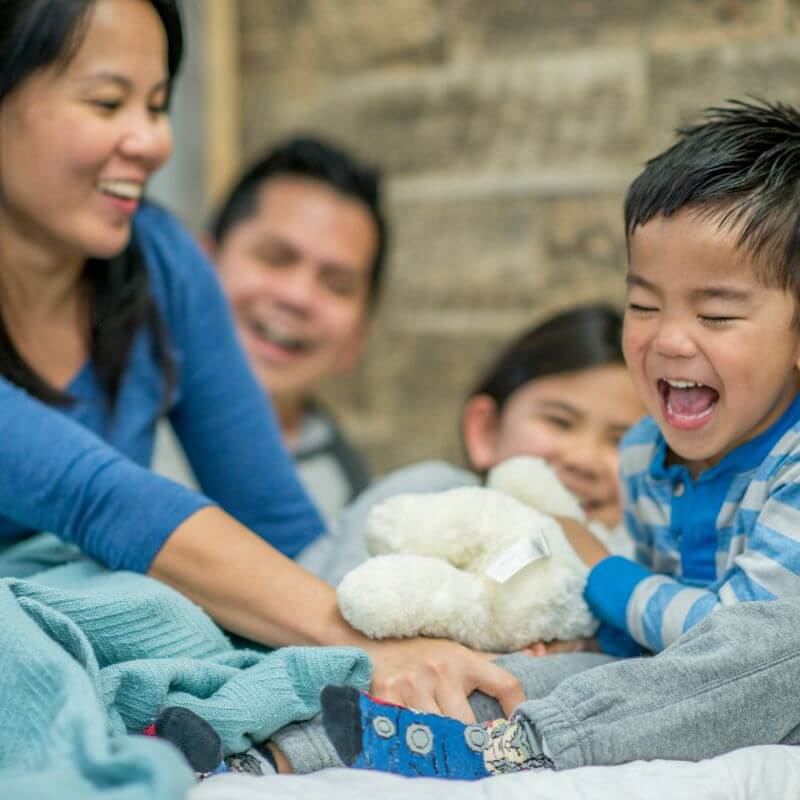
(126, 190)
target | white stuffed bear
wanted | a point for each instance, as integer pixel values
(487, 567)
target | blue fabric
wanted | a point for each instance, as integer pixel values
(615, 642)
(389, 734)
(609, 587)
(82, 473)
(88, 655)
(728, 536)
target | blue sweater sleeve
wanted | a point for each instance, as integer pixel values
(221, 415)
(58, 476)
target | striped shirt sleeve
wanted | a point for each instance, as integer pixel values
(656, 609)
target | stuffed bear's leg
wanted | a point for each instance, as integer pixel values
(406, 595)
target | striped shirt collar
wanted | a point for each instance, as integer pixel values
(745, 457)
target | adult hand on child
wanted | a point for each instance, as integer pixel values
(437, 676)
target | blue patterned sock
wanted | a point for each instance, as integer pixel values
(370, 734)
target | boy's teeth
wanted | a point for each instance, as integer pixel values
(125, 189)
(682, 384)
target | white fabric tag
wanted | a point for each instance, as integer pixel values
(528, 549)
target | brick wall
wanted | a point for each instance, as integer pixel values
(509, 130)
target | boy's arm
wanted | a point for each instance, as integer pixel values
(650, 608)
(656, 609)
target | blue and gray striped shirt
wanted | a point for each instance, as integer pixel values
(729, 536)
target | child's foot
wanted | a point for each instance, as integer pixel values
(370, 734)
(191, 734)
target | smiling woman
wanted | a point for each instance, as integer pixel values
(110, 316)
(72, 180)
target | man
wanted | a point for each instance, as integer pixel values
(300, 247)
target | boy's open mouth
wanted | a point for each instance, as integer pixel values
(687, 404)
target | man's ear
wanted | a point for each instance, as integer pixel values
(480, 428)
(350, 356)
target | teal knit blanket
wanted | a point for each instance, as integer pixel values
(88, 656)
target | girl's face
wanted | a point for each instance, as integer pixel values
(574, 421)
(78, 142)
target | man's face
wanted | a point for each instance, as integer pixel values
(297, 275)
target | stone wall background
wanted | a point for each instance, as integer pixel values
(509, 130)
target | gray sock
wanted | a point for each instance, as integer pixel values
(306, 746)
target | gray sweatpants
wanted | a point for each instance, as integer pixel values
(731, 682)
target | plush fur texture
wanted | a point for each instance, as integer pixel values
(432, 552)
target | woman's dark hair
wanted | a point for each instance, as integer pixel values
(35, 34)
(582, 338)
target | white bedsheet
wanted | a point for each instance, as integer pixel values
(754, 773)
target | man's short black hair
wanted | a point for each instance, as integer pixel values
(740, 167)
(315, 159)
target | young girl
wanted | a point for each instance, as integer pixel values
(559, 391)
(109, 317)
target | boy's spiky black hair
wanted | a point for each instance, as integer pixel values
(741, 168)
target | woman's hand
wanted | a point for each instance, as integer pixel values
(583, 645)
(437, 676)
(251, 589)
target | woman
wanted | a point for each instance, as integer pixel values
(109, 316)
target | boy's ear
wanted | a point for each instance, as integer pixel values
(480, 427)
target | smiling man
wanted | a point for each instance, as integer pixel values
(300, 245)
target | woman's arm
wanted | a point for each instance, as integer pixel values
(221, 415)
(251, 589)
(230, 434)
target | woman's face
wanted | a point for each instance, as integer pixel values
(574, 421)
(78, 143)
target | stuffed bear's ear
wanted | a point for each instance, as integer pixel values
(480, 424)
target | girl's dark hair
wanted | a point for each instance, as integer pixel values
(35, 34)
(585, 337)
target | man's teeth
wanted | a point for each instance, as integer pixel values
(682, 384)
(278, 337)
(127, 190)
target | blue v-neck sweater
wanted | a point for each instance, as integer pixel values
(83, 474)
